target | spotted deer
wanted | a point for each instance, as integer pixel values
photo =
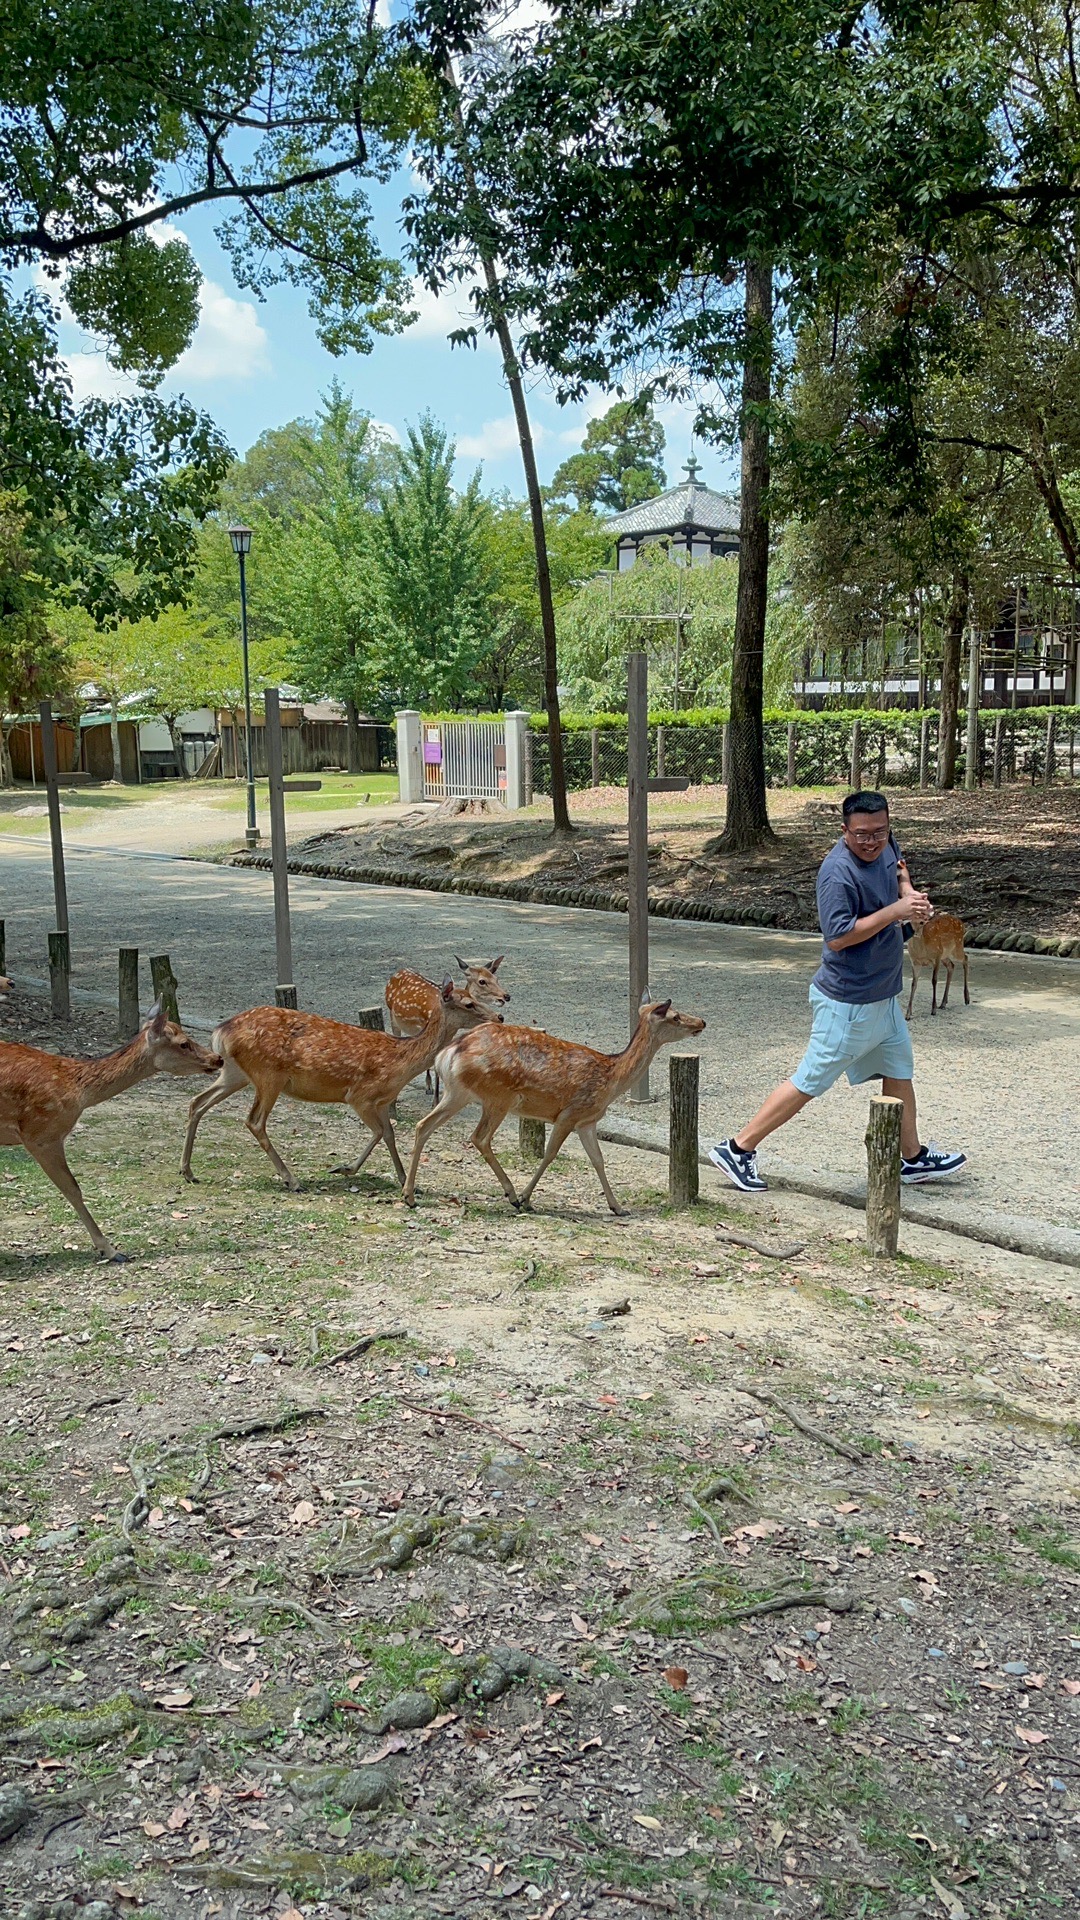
(408, 997)
(939, 942)
(539, 1077)
(42, 1096)
(276, 1050)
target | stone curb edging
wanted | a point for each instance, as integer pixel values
(661, 906)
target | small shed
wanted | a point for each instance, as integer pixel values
(27, 755)
(696, 524)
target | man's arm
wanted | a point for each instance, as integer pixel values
(912, 906)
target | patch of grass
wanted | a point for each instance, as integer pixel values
(1051, 1541)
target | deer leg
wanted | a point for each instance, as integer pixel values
(949, 965)
(354, 1166)
(560, 1133)
(914, 984)
(228, 1082)
(967, 996)
(486, 1129)
(452, 1102)
(262, 1108)
(53, 1161)
(587, 1136)
(933, 987)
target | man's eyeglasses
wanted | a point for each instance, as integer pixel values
(868, 839)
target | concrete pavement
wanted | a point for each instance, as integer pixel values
(1000, 1078)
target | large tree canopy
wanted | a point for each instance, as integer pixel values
(620, 463)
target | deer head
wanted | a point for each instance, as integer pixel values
(171, 1050)
(480, 981)
(665, 1024)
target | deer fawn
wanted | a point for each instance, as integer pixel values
(43, 1094)
(518, 1070)
(940, 942)
(275, 1050)
(408, 998)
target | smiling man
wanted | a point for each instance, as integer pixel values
(865, 899)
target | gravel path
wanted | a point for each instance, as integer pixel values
(999, 1078)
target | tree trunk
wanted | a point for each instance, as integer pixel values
(512, 373)
(353, 732)
(746, 823)
(114, 738)
(7, 771)
(952, 642)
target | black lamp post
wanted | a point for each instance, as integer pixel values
(241, 541)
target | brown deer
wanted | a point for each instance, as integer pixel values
(938, 943)
(43, 1094)
(408, 998)
(519, 1070)
(275, 1050)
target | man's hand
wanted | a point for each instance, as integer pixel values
(915, 907)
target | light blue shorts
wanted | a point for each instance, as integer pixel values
(864, 1042)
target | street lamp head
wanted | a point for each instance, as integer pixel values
(241, 539)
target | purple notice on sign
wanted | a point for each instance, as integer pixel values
(433, 753)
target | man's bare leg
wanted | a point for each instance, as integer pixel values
(782, 1105)
(909, 1126)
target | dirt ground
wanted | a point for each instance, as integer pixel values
(757, 1596)
(1007, 859)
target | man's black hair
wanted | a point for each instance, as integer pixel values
(865, 802)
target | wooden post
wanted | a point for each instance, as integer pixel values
(3, 951)
(999, 744)
(725, 755)
(371, 1017)
(883, 1174)
(165, 983)
(661, 752)
(128, 1022)
(532, 1139)
(48, 754)
(60, 975)
(527, 799)
(1051, 737)
(971, 762)
(792, 749)
(683, 1129)
(594, 755)
(855, 768)
(284, 992)
(924, 751)
(637, 765)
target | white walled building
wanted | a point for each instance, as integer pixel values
(694, 523)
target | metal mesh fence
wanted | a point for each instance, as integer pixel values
(810, 749)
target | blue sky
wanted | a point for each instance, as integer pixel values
(254, 365)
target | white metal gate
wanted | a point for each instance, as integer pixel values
(464, 759)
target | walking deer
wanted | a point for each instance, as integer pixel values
(408, 998)
(275, 1050)
(43, 1094)
(938, 943)
(519, 1070)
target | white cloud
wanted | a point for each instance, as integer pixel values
(440, 314)
(229, 343)
(496, 438)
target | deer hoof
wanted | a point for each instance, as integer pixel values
(113, 1258)
(186, 1174)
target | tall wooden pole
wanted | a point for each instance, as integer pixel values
(971, 767)
(683, 1129)
(285, 991)
(637, 756)
(48, 753)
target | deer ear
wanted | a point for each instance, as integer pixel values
(155, 1019)
(662, 1009)
(448, 986)
(494, 965)
(463, 964)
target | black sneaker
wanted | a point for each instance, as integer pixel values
(930, 1163)
(740, 1165)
